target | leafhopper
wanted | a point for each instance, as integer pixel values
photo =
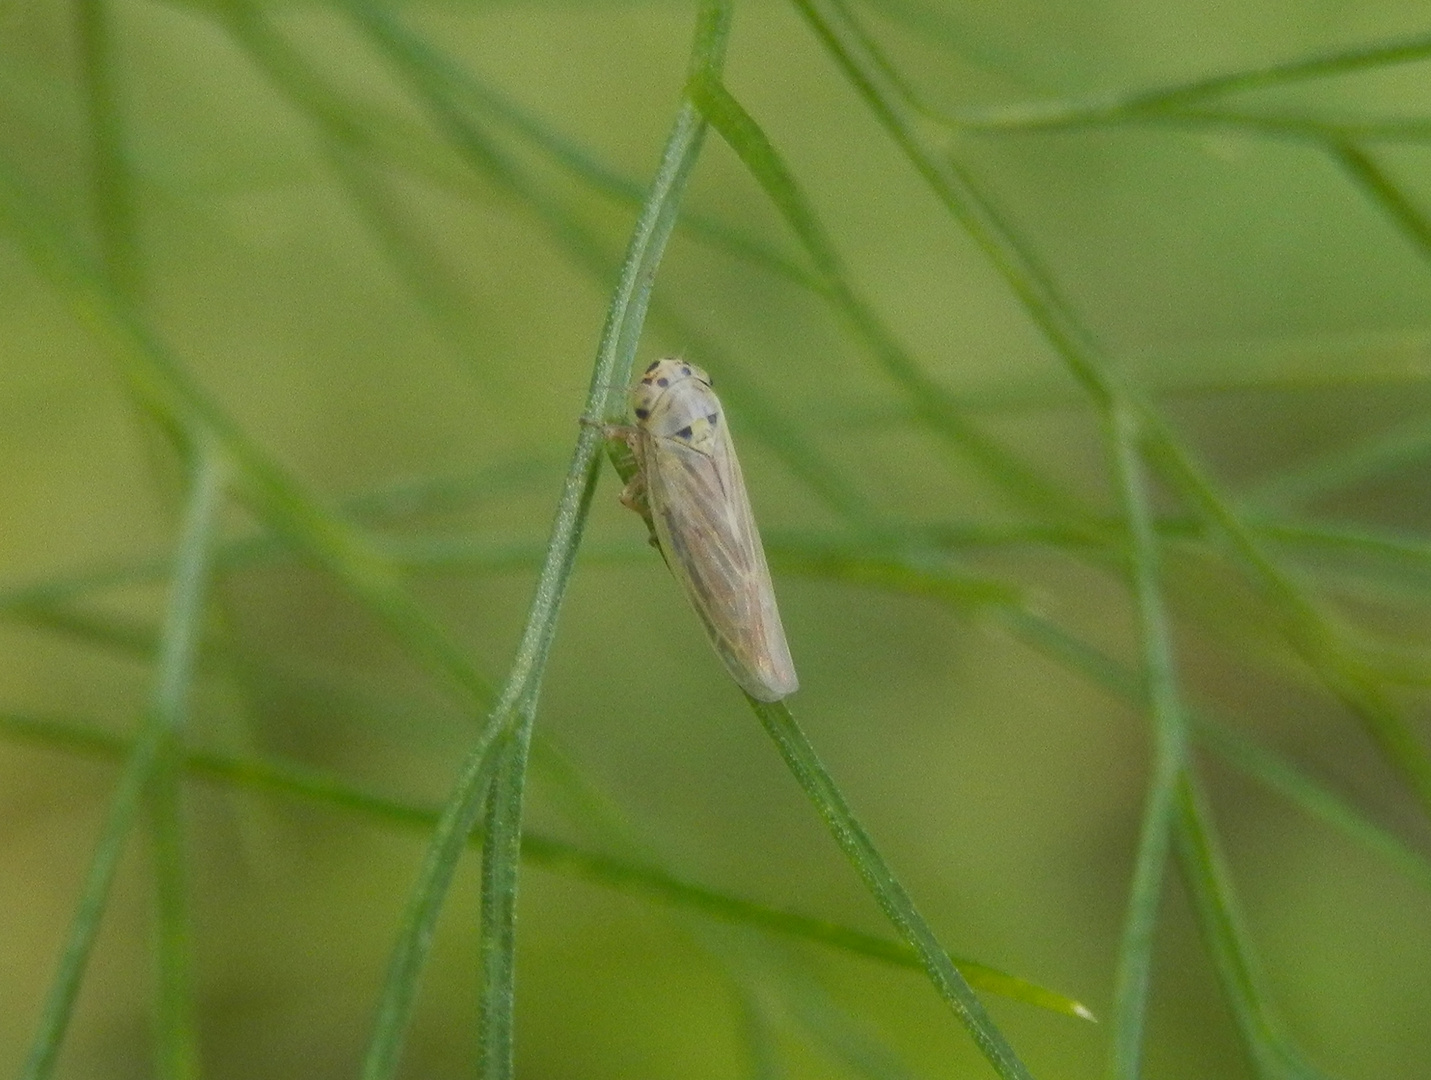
(689, 485)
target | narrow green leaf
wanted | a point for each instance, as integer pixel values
(159, 382)
(111, 182)
(1311, 633)
(810, 773)
(1135, 953)
(929, 401)
(1221, 925)
(1378, 185)
(557, 856)
(166, 714)
(1404, 444)
(177, 1038)
(510, 725)
(659, 885)
(1122, 105)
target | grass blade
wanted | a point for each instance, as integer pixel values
(441, 86)
(166, 713)
(176, 1036)
(165, 391)
(1378, 185)
(1227, 943)
(1123, 105)
(622, 874)
(1313, 635)
(515, 713)
(1135, 952)
(810, 773)
(111, 182)
(929, 401)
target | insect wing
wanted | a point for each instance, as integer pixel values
(704, 522)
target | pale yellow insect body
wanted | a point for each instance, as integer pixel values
(702, 517)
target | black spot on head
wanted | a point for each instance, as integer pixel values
(685, 370)
(641, 414)
(684, 433)
(713, 418)
(652, 366)
(663, 381)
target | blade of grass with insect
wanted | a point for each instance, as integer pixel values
(1271, 553)
(726, 381)
(515, 712)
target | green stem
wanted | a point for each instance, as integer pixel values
(1135, 954)
(894, 901)
(166, 713)
(511, 721)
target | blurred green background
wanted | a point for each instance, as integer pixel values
(402, 309)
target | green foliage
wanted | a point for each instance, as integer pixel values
(1166, 513)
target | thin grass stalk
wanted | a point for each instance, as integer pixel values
(1272, 1055)
(111, 184)
(516, 709)
(1016, 478)
(176, 1032)
(165, 714)
(185, 411)
(1312, 634)
(1170, 755)
(626, 873)
(497, 927)
(894, 901)
(1137, 104)
(617, 352)
(1378, 186)
(441, 87)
